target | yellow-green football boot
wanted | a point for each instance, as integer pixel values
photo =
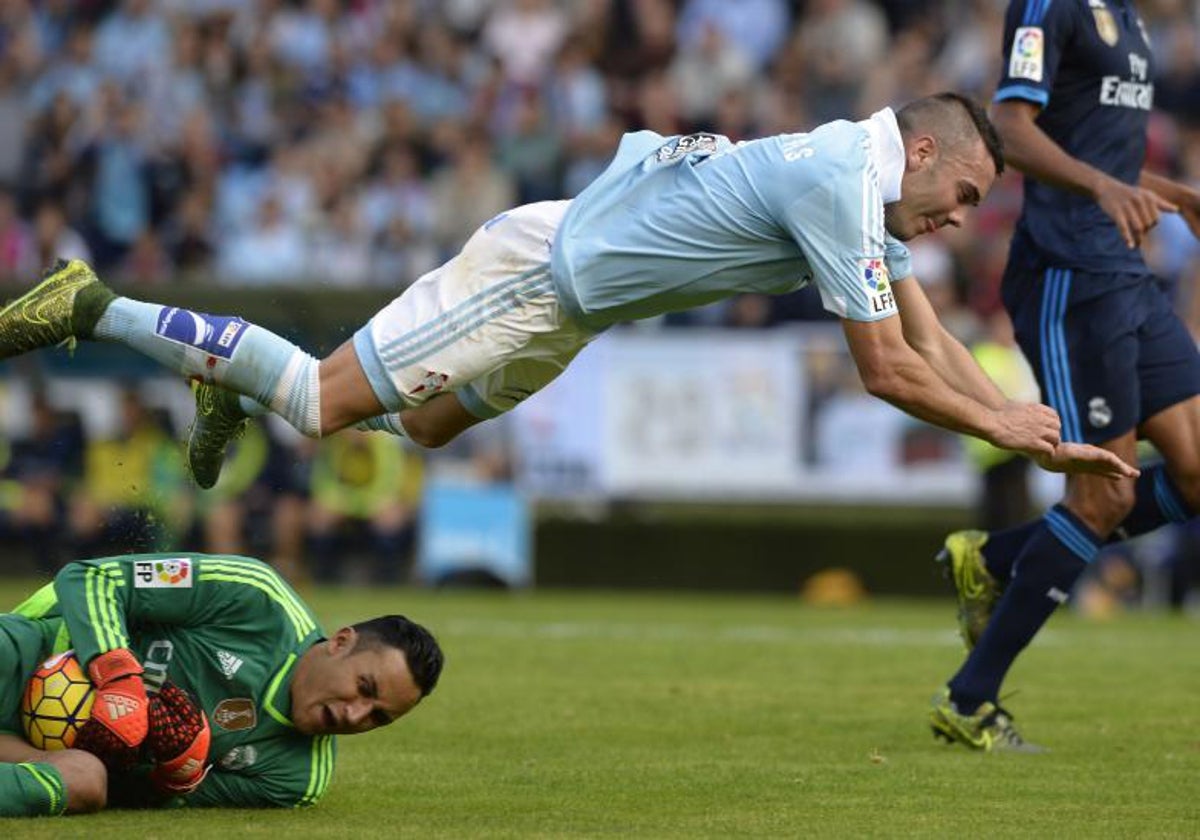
(977, 590)
(219, 420)
(64, 306)
(988, 729)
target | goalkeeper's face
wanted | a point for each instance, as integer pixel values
(340, 689)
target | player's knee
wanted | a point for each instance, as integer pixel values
(429, 435)
(85, 779)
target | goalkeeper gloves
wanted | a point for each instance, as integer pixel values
(178, 741)
(120, 705)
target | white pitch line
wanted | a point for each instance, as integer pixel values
(766, 634)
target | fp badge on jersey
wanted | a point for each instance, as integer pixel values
(1028, 54)
(880, 299)
(163, 574)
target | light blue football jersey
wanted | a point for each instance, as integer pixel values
(675, 223)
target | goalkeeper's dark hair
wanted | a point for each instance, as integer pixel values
(421, 650)
(954, 119)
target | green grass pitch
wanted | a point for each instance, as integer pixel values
(655, 716)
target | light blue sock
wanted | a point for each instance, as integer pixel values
(252, 407)
(223, 349)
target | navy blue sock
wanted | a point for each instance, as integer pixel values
(1003, 548)
(1054, 557)
(1157, 501)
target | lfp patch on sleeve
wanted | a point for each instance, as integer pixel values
(880, 299)
(173, 573)
(1028, 54)
(216, 335)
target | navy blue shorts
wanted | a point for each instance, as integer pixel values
(1108, 349)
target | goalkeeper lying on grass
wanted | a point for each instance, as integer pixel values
(214, 686)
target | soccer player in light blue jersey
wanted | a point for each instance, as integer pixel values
(673, 223)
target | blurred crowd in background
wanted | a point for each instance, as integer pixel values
(358, 143)
(353, 143)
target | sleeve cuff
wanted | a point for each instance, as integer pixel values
(1027, 92)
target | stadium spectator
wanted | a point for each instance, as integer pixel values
(532, 151)
(754, 29)
(838, 42)
(131, 497)
(705, 72)
(363, 483)
(271, 252)
(16, 241)
(42, 468)
(525, 35)
(121, 189)
(468, 191)
(14, 119)
(259, 505)
(1005, 495)
(133, 44)
(53, 238)
(1099, 330)
(219, 629)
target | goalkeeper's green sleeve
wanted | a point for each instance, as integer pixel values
(31, 790)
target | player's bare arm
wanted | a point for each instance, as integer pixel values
(953, 362)
(1134, 209)
(895, 372)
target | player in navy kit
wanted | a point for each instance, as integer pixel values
(1099, 330)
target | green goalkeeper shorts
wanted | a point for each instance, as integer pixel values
(24, 644)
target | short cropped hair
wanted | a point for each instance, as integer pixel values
(421, 650)
(954, 118)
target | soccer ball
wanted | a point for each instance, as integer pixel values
(57, 703)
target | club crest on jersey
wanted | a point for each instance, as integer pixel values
(238, 758)
(162, 574)
(1028, 54)
(1099, 412)
(431, 383)
(1106, 25)
(878, 285)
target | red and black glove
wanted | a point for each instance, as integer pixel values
(120, 705)
(178, 741)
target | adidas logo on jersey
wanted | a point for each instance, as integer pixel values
(229, 663)
(119, 706)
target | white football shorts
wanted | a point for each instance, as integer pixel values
(486, 326)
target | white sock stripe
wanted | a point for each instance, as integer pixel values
(297, 396)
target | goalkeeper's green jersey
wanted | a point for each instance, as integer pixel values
(227, 629)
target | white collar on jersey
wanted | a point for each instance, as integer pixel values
(887, 150)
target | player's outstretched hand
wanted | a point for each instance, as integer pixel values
(1085, 458)
(1031, 428)
(120, 705)
(178, 741)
